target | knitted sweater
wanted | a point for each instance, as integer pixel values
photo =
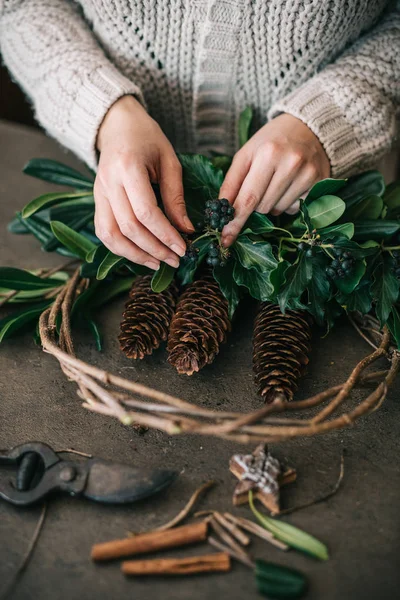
(195, 64)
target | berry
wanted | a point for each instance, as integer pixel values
(338, 252)
(191, 253)
(214, 205)
(335, 264)
(347, 255)
(347, 265)
(331, 272)
(218, 213)
(310, 253)
(340, 273)
(396, 253)
(302, 246)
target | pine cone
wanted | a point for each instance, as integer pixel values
(199, 326)
(147, 318)
(281, 345)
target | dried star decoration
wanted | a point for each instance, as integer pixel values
(261, 473)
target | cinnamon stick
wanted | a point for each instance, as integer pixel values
(150, 542)
(178, 566)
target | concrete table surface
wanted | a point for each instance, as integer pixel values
(361, 524)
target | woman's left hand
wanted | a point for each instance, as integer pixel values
(272, 171)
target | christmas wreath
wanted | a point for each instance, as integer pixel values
(340, 254)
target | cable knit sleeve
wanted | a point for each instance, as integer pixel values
(351, 104)
(51, 52)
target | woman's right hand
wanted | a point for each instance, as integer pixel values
(134, 153)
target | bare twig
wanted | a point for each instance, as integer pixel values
(28, 555)
(322, 498)
(217, 544)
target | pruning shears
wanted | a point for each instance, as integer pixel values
(40, 470)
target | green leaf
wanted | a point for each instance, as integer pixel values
(370, 183)
(70, 210)
(368, 248)
(72, 240)
(162, 278)
(297, 277)
(47, 200)
(325, 210)
(359, 300)
(258, 223)
(324, 187)
(384, 288)
(319, 291)
(109, 263)
(222, 162)
(244, 125)
(254, 255)
(18, 279)
(351, 280)
(394, 325)
(17, 226)
(392, 195)
(17, 321)
(277, 581)
(258, 284)
(278, 276)
(228, 285)
(304, 219)
(56, 172)
(290, 535)
(369, 208)
(96, 254)
(345, 229)
(374, 228)
(188, 268)
(94, 328)
(111, 289)
(76, 224)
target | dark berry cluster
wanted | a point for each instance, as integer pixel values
(191, 253)
(214, 257)
(218, 213)
(304, 247)
(341, 265)
(396, 263)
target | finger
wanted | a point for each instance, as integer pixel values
(134, 231)
(234, 177)
(144, 205)
(108, 232)
(248, 199)
(171, 188)
(281, 181)
(297, 189)
(294, 208)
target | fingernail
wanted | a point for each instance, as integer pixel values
(172, 262)
(179, 250)
(152, 265)
(227, 240)
(188, 223)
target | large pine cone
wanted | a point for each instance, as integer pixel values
(199, 326)
(281, 345)
(147, 317)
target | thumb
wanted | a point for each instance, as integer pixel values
(171, 188)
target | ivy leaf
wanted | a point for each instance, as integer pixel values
(188, 268)
(18, 279)
(391, 197)
(368, 248)
(278, 276)
(369, 208)
(258, 223)
(17, 321)
(370, 183)
(297, 277)
(222, 162)
(359, 300)
(345, 229)
(56, 172)
(47, 200)
(375, 228)
(394, 325)
(324, 187)
(352, 279)
(325, 210)
(162, 278)
(72, 240)
(384, 288)
(319, 291)
(258, 284)
(228, 285)
(244, 125)
(254, 255)
(306, 217)
(110, 262)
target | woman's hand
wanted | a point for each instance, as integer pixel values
(272, 171)
(134, 153)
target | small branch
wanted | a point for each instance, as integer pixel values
(333, 491)
(217, 544)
